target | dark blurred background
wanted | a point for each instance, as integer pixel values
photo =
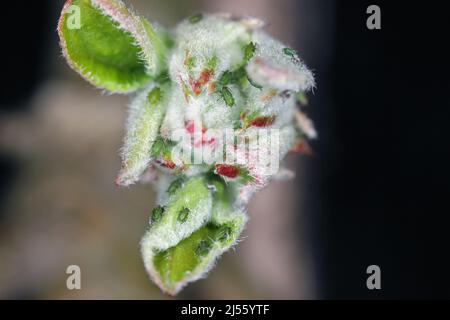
(375, 192)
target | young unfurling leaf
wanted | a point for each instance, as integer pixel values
(191, 258)
(277, 66)
(113, 48)
(194, 256)
(146, 114)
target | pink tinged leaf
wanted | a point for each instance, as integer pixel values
(305, 124)
(266, 74)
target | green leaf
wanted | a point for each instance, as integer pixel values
(146, 114)
(190, 259)
(175, 263)
(194, 196)
(112, 48)
(194, 201)
(195, 229)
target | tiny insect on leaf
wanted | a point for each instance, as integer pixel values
(249, 51)
(227, 96)
(157, 213)
(195, 18)
(183, 215)
(289, 52)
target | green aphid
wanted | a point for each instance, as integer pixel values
(155, 96)
(183, 215)
(161, 147)
(257, 86)
(157, 213)
(302, 98)
(224, 233)
(203, 248)
(227, 96)
(162, 78)
(249, 51)
(190, 62)
(158, 147)
(290, 52)
(237, 125)
(195, 18)
(175, 185)
(240, 76)
(212, 62)
(226, 78)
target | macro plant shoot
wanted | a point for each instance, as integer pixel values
(216, 105)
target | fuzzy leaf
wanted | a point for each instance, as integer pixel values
(112, 47)
(180, 250)
(194, 256)
(276, 66)
(186, 211)
(193, 195)
(146, 114)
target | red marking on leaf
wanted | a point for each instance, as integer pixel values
(212, 87)
(195, 85)
(203, 79)
(190, 126)
(205, 76)
(211, 140)
(227, 170)
(168, 163)
(262, 121)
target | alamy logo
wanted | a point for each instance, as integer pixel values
(374, 280)
(74, 279)
(255, 148)
(374, 20)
